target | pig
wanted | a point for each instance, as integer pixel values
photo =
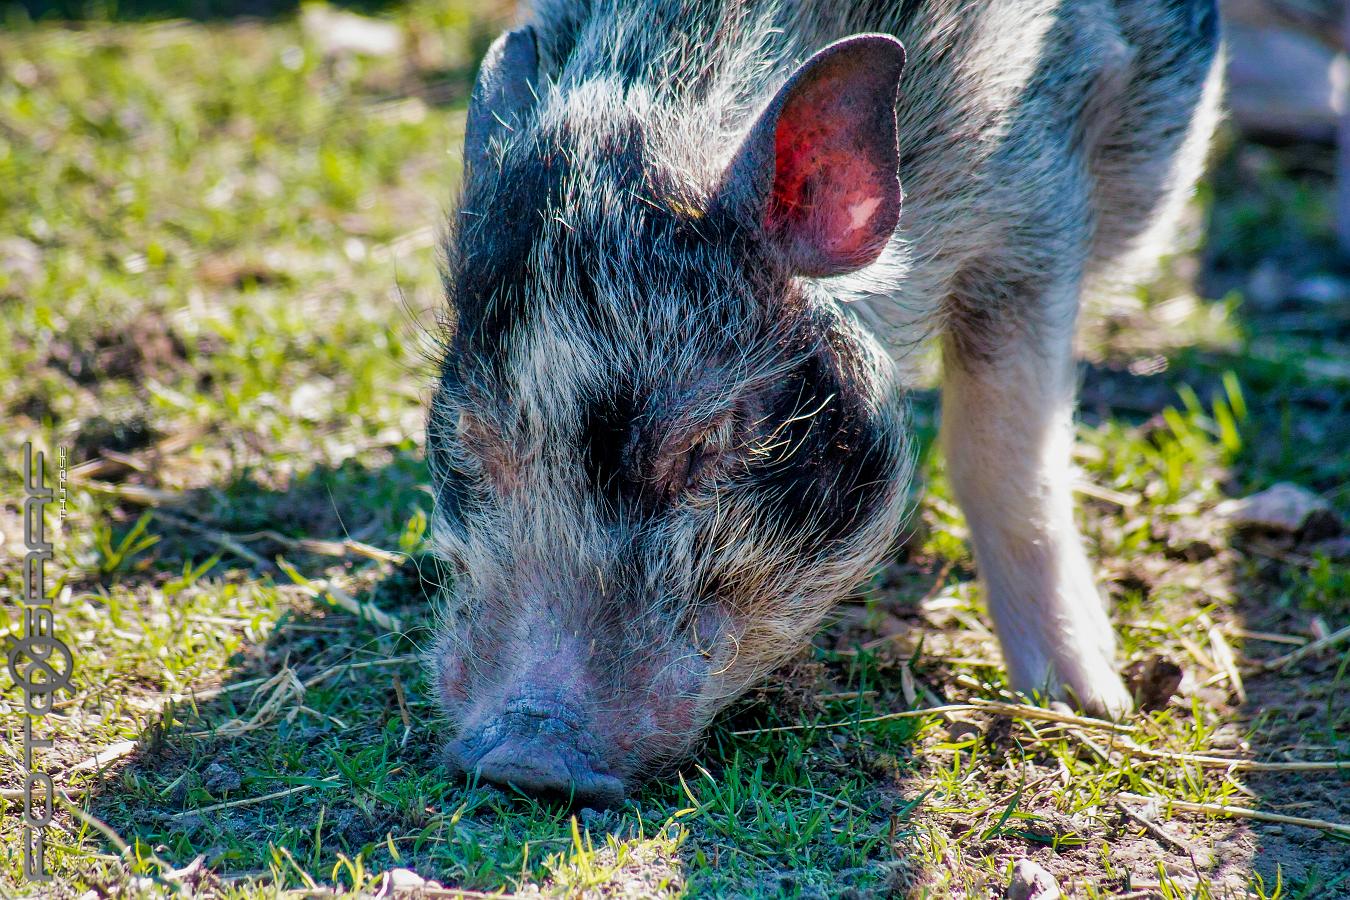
(669, 431)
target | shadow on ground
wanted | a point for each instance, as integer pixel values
(327, 719)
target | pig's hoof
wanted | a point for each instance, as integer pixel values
(1105, 696)
(1090, 682)
(1085, 680)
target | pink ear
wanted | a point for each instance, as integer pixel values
(828, 143)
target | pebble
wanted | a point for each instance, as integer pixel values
(1282, 507)
(405, 881)
(1030, 881)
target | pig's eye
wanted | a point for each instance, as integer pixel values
(695, 460)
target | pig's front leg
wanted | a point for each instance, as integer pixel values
(1007, 428)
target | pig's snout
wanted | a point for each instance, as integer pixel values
(539, 752)
(545, 766)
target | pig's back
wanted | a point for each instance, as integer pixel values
(1031, 131)
(1038, 131)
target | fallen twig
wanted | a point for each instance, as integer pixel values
(1109, 495)
(1268, 636)
(1155, 829)
(281, 689)
(1026, 711)
(249, 801)
(1306, 650)
(320, 586)
(345, 547)
(906, 714)
(1243, 812)
(1198, 653)
(1238, 765)
(112, 753)
(1128, 748)
(1227, 660)
(139, 494)
(210, 693)
(221, 539)
(110, 460)
(312, 680)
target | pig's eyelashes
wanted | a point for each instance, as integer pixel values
(692, 463)
(677, 473)
(695, 462)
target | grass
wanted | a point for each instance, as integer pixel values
(217, 273)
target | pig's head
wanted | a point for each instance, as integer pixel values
(661, 450)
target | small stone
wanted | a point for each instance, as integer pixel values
(1283, 507)
(405, 881)
(591, 817)
(1031, 881)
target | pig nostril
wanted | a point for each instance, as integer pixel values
(542, 767)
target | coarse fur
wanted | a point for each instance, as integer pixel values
(664, 445)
